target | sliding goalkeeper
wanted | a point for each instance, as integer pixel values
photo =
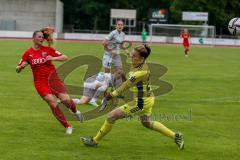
(139, 79)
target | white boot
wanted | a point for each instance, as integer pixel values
(93, 102)
(69, 130)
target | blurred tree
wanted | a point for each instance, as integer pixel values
(92, 14)
(95, 15)
(220, 12)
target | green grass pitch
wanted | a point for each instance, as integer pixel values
(206, 96)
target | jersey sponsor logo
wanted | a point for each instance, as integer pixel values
(38, 61)
(133, 110)
(44, 54)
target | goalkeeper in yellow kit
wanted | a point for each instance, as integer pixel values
(139, 78)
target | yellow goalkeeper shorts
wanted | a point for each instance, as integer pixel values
(131, 108)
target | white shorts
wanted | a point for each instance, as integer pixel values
(109, 60)
(88, 91)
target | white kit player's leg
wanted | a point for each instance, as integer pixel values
(76, 100)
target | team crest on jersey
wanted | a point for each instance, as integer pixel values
(133, 79)
(44, 54)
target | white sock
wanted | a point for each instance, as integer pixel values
(78, 112)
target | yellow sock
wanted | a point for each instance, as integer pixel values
(106, 127)
(157, 126)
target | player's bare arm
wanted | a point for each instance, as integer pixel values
(59, 58)
(105, 43)
(20, 67)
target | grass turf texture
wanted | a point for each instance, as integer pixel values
(207, 83)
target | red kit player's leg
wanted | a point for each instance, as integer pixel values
(60, 91)
(52, 102)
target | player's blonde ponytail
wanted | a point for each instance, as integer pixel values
(48, 35)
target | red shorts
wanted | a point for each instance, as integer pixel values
(50, 87)
(186, 44)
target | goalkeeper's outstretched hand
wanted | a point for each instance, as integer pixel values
(107, 97)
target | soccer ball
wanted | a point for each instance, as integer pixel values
(234, 26)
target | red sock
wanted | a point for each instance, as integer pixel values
(60, 116)
(71, 105)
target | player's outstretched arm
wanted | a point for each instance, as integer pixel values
(59, 58)
(20, 67)
(122, 88)
(133, 80)
(104, 43)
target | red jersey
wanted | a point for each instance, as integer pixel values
(41, 68)
(185, 37)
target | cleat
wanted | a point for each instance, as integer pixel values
(178, 138)
(88, 141)
(93, 103)
(69, 130)
(79, 116)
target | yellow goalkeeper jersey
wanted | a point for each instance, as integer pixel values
(138, 82)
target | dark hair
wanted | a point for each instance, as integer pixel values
(35, 32)
(119, 20)
(45, 35)
(143, 50)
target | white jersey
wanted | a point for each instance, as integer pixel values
(116, 37)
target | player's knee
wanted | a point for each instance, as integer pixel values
(112, 117)
(52, 104)
(64, 98)
(146, 124)
(51, 101)
(115, 115)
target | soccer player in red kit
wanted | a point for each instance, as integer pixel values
(185, 35)
(46, 80)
